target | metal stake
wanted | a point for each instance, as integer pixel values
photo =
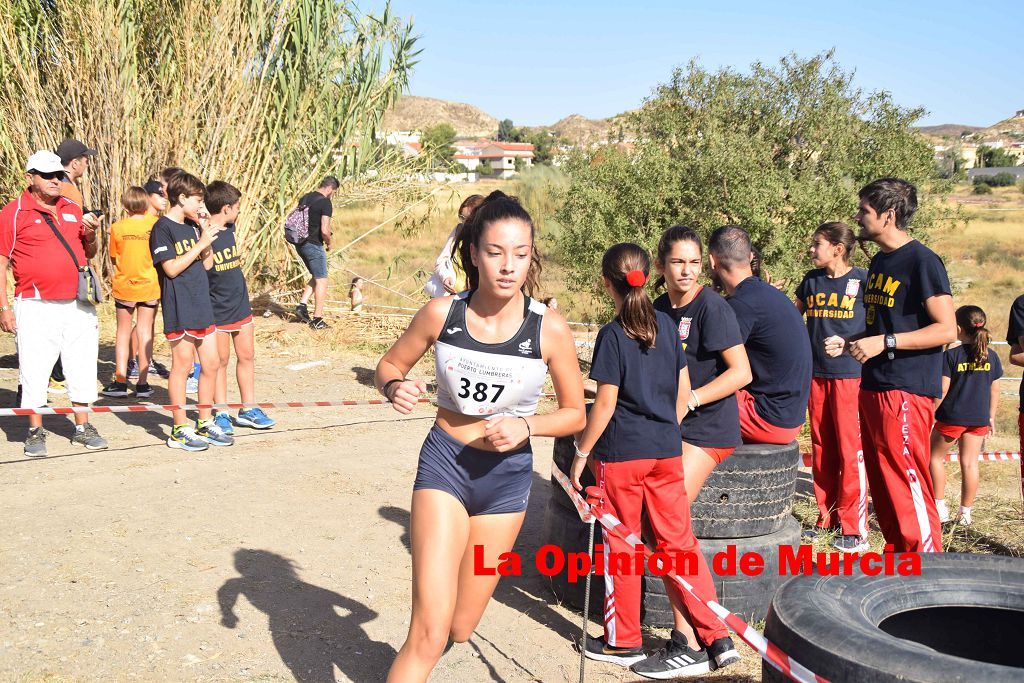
(586, 603)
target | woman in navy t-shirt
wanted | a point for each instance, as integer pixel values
(632, 443)
(715, 356)
(832, 298)
(967, 409)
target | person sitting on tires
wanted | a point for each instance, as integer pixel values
(773, 406)
(632, 433)
(715, 356)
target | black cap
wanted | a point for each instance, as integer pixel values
(69, 150)
(153, 187)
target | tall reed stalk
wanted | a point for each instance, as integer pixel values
(269, 95)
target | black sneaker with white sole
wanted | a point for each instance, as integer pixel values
(116, 389)
(601, 651)
(851, 543)
(722, 653)
(675, 660)
(302, 313)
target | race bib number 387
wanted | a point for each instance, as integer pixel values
(484, 387)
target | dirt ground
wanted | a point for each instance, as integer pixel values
(283, 557)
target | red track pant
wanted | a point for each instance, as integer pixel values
(895, 428)
(837, 461)
(657, 485)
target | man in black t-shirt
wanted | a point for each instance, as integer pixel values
(773, 407)
(908, 309)
(313, 251)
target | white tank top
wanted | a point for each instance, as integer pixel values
(484, 380)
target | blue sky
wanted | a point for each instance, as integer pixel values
(536, 62)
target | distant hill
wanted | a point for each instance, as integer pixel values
(583, 132)
(416, 113)
(947, 130)
(1014, 124)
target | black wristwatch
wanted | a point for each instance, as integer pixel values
(890, 345)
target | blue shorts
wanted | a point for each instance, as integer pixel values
(315, 257)
(485, 482)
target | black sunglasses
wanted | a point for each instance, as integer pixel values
(49, 175)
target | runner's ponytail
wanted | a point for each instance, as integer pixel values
(627, 266)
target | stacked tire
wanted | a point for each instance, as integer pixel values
(746, 503)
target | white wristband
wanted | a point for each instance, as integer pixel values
(580, 454)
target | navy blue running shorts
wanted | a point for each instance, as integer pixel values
(485, 482)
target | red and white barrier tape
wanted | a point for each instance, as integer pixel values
(778, 659)
(156, 408)
(987, 456)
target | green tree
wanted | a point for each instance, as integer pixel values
(506, 130)
(995, 157)
(778, 150)
(543, 143)
(437, 142)
(484, 168)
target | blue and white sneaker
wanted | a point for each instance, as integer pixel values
(133, 369)
(223, 420)
(185, 438)
(255, 418)
(192, 385)
(159, 368)
(211, 433)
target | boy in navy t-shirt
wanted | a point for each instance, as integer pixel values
(967, 411)
(909, 315)
(232, 313)
(773, 406)
(1015, 338)
(180, 245)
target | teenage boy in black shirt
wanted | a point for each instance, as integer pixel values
(908, 309)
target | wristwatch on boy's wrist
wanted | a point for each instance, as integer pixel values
(890, 345)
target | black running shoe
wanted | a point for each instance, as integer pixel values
(115, 389)
(675, 660)
(600, 651)
(722, 653)
(143, 390)
(302, 313)
(318, 324)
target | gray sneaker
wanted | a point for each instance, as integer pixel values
(185, 438)
(212, 434)
(89, 438)
(35, 443)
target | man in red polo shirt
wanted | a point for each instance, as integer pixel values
(48, 320)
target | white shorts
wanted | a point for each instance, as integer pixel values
(48, 329)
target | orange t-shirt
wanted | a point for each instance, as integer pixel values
(134, 275)
(69, 190)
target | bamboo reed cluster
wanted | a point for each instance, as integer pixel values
(269, 95)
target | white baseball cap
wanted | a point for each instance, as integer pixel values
(44, 162)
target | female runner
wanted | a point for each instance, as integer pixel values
(494, 345)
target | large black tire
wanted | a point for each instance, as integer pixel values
(960, 620)
(749, 494)
(747, 597)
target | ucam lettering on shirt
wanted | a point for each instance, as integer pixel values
(822, 305)
(881, 292)
(182, 246)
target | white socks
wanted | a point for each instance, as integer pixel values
(940, 503)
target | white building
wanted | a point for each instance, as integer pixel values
(501, 156)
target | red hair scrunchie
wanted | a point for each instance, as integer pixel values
(636, 278)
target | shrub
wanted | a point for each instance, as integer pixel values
(982, 188)
(997, 180)
(485, 168)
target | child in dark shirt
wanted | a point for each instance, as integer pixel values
(967, 409)
(180, 243)
(632, 443)
(232, 314)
